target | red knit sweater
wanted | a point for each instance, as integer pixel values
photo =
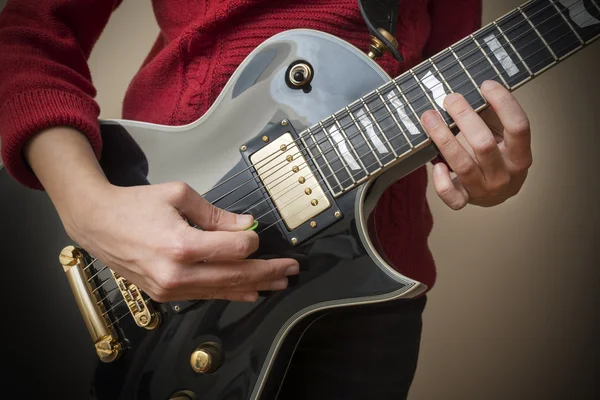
(45, 80)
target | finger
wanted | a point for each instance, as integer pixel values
(278, 284)
(478, 135)
(246, 297)
(454, 153)
(452, 193)
(202, 213)
(517, 132)
(218, 246)
(195, 292)
(230, 274)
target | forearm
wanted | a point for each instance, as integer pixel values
(63, 161)
(44, 77)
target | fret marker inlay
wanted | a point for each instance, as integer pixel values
(436, 87)
(578, 13)
(366, 123)
(501, 55)
(399, 107)
(343, 148)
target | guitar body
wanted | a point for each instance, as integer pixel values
(340, 264)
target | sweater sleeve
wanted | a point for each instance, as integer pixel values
(44, 76)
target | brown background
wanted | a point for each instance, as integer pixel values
(514, 312)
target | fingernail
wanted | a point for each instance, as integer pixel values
(489, 85)
(250, 297)
(279, 285)
(245, 220)
(451, 98)
(292, 270)
(431, 119)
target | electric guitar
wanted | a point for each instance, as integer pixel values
(316, 132)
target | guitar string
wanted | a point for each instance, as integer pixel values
(124, 315)
(453, 64)
(384, 104)
(102, 284)
(90, 264)
(107, 293)
(263, 230)
(326, 190)
(478, 48)
(422, 96)
(393, 124)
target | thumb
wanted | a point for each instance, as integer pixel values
(208, 217)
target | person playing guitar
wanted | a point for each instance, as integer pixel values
(51, 141)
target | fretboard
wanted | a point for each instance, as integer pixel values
(384, 126)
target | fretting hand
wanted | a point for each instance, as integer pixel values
(491, 155)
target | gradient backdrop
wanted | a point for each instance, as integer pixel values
(514, 313)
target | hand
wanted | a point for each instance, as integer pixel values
(490, 163)
(140, 233)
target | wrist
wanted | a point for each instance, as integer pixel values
(64, 162)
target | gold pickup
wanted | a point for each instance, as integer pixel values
(290, 182)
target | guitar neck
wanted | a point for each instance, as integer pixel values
(384, 126)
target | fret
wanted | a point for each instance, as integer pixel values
(595, 2)
(346, 160)
(442, 77)
(435, 105)
(432, 85)
(332, 167)
(458, 78)
(320, 163)
(375, 123)
(393, 116)
(538, 33)
(391, 131)
(475, 61)
(414, 95)
(498, 76)
(515, 52)
(359, 141)
(363, 119)
(414, 113)
(582, 19)
(526, 42)
(567, 21)
(327, 178)
(385, 154)
(363, 172)
(411, 120)
(552, 27)
(506, 63)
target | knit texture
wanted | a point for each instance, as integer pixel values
(45, 80)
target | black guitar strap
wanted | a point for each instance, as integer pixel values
(381, 17)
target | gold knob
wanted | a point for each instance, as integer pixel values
(201, 361)
(205, 358)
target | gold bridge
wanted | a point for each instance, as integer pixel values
(142, 313)
(290, 182)
(96, 317)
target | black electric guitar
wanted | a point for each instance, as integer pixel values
(316, 132)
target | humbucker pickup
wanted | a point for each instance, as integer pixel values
(290, 182)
